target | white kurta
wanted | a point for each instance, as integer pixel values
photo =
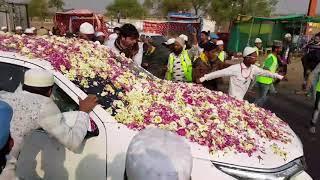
(240, 78)
(33, 111)
(137, 59)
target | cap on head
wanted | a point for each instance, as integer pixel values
(277, 43)
(4, 28)
(184, 37)
(219, 43)
(170, 41)
(288, 35)
(86, 28)
(18, 28)
(38, 78)
(33, 28)
(28, 31)
(99, 33)
(156, 154)
(214, 36)
(248, 50)
(180, 41)
(258, 40)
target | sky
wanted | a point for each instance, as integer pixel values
(283, 7)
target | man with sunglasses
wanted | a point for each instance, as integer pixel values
(241, 74)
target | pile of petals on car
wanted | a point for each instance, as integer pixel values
(209, 118)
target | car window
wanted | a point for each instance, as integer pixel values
(64, 102)
(11, 76)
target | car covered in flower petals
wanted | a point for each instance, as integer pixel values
(229, 139)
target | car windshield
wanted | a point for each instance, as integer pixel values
(138, 100)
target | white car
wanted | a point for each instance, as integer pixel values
(103, 156)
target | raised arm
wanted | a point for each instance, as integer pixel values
(221, 73)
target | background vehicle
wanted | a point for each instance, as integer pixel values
(103, 156)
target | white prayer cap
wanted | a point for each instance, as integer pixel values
(180, 41)
(156, 154)
(219, 42)
(28, 31)
(184, 37)
(18, 28)
(33, 28)
(170, 41)
(288, 35)
(258, 40)
(99, 33)
(248, 50)
(86, 28)
(4, 28)
(38, 78)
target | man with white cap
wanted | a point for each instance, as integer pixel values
(258, 45)
(285, 55)
(156, 154)
(222, 55)
(241, 74)
(186, 40)
(34, 109)
(100, 37)
(4, 29)
(18, 30)
(86, 31)
(29, 32)
(180, 60)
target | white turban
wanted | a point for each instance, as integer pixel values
(38, 78)
(86, 28)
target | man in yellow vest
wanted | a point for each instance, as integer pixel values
(265, 83)
(180, 61)
(315, 76)
(222, 55)
(258, 45)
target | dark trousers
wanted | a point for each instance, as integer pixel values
(3, 152)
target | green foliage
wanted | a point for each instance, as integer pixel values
(127, 8)
(38, 8)
(58, 4)
(229, 9)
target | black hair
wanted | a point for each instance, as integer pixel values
(129, 30)
(116, 29)
(209, 46)
(274, 47)
(205, 33)
(44, 91)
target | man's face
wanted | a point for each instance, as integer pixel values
(210, 54)
(129, 42)
(289, 39)
(220, 47)
(251, 59)
(19, 32)
(87, 37)
(278, 50)
(259, 45)
(203, 37)
(177, 48)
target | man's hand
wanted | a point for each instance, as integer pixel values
(202, 79)
(279, 76)
(88, 103)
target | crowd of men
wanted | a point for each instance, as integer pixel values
(198, 58)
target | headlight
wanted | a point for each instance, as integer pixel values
(281, 173)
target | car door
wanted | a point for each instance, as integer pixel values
(42, 157)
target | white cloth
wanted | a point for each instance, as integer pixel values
(240, 78)
(156, 154)
(137, 59)
(33, 111)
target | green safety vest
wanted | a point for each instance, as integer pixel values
(221, 56)
(273, 69)
(185, 63)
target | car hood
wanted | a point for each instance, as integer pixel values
(273, 157)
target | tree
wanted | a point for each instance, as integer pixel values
(127, 8)
(58, 4)
(38, 8)
(199, 5)
(174, 6)
(227, 10)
